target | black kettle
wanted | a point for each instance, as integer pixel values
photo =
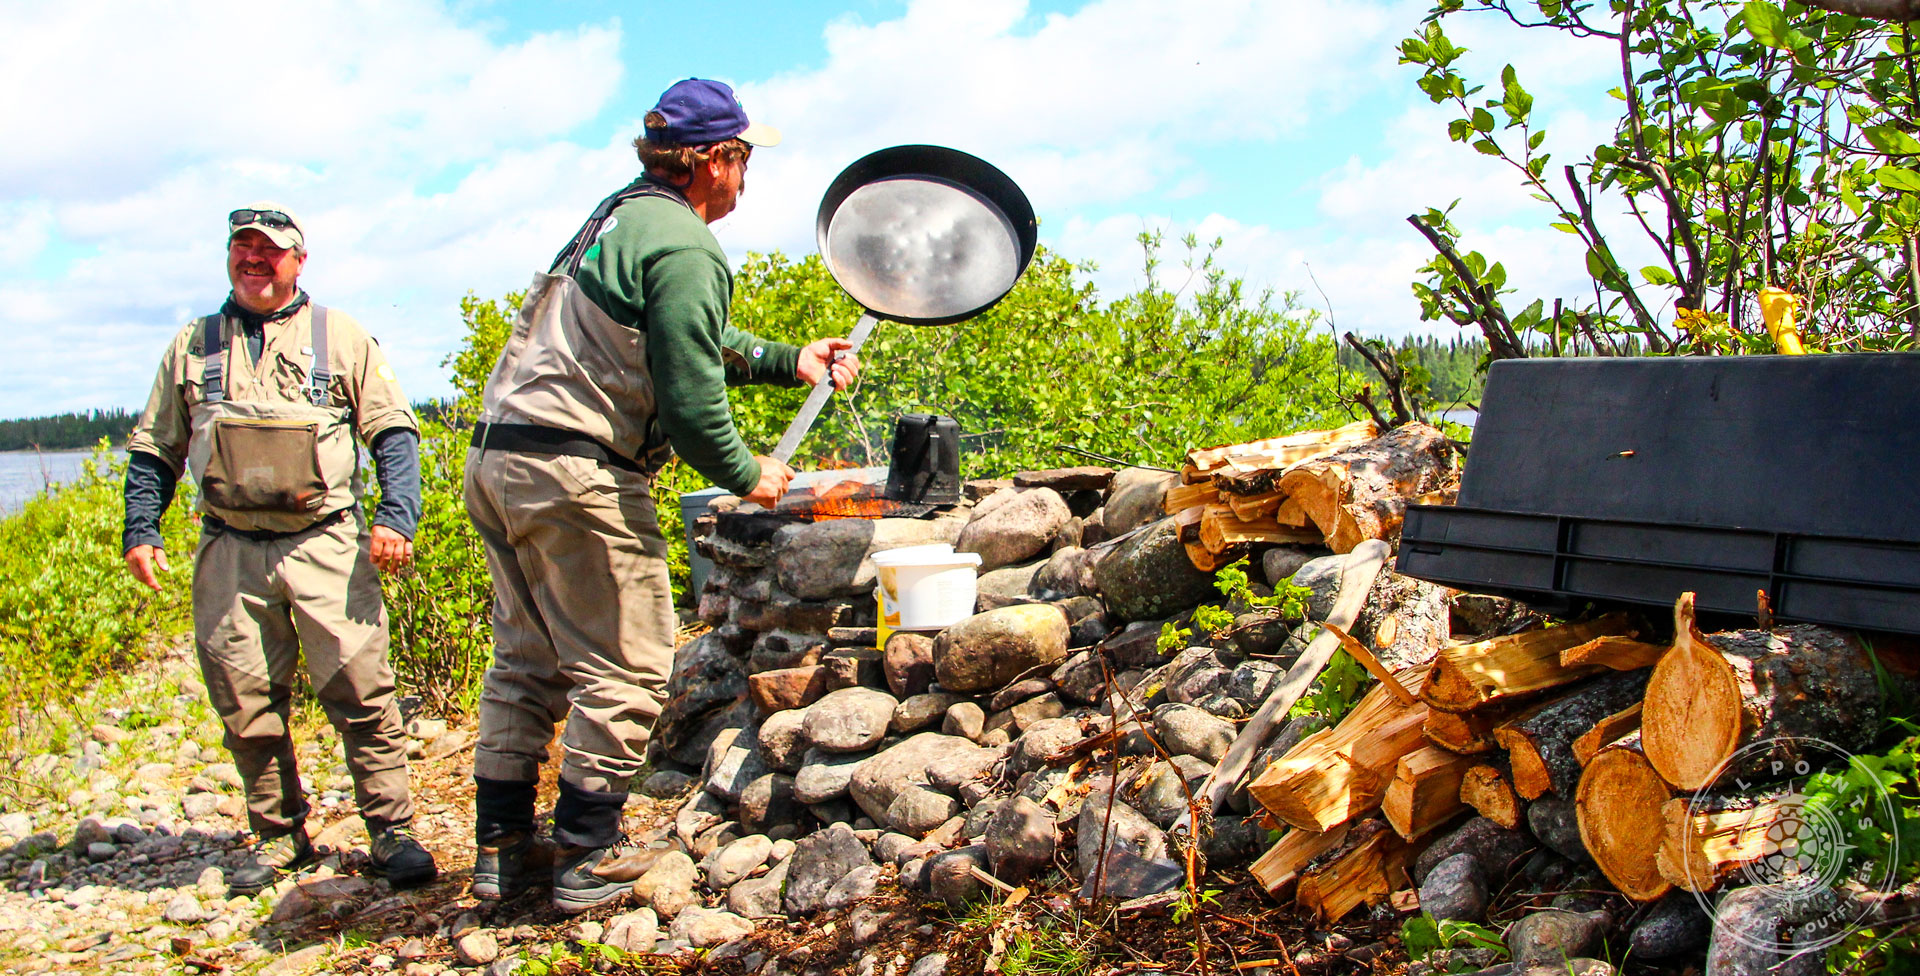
(925, 464)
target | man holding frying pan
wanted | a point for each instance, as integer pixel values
(620, 357)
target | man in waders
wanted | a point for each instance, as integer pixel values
(620, 357)
(263, 401)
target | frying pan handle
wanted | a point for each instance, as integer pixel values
(810, 410)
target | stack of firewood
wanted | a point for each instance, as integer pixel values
(1325, 487)
(1676, 759)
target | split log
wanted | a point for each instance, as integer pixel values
(1425, 792)
(1369, 864)
(1785, 688)
(1470, 676)
(1250, 507)
(1615, 653)
(1182, 497)
(1276, 452)
(1618, 725)
(1487, 787)
(1539, 741)
(1290, 513)
(1467, 733)
(1221, 528)
(1621, 803)
(1361, 492)
(1340, 773)
(1708, 839)
(1210, 560)
(1279, 868)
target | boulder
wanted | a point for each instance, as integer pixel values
(1456, 888)
(1149, 576)
(1281, 562)
(1189, 731)
(783, 739)
(1005, 587)
(818, 861)
(991, 649)
(1015, 530)
(824, 776)
(849, 720)
(767, 802)
(1321, 578)
(878, 780)
(705, 682)
(1127, 829)
(917, 810)
(830, 559)
(1020, 840)
(784, 689)
(1066, 573)
(1135, 497)
(908, 663)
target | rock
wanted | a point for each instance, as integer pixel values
(1556, 822)
(1041, 740)
(1035, 710)
(1066, 573)
(783, 611)
(732, 762)
(965, 719)
(1456, 888)
(98, 852)
(1674, 927)
(90, 831)
(700, 812)
(1748, 928)
(1149, 576)
(705, 682)
(851, 666)
(663, 784)
(883, 777)
(951, 772)
(830, 559)
(298, 961)
(1550, 937)
(931, 964)
(1235, 840)
(1005, 587)
(1126, 875)
(1281, 562)
(667, 887)
(921, 711)
(907, 662)
(917, 810)
(336, 895)
(825, 776)
(1016, 530)
(1188, 731)
(1321, 578)
(1018, 692)
(783, 739)
(476, 948)
(1080, 679)
(759, 897)
(857, 884)
(988, 650)
(819, 860)
(949, 875)
(791, 688)
(849, 720)
(1252, 681)
(777, 650)
(1161, 793)
(1500, 851)
(703, 927)
(768, 801)
(1135, 498)
(1020, 840)
(633, 932)
(1196, 673)
(1127, 829)
(184, 909)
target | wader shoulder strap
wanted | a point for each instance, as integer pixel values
(568, 260)
(213, 363)
(321, 375)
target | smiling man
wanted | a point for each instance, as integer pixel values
(263, 401)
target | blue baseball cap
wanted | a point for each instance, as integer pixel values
(700, 112)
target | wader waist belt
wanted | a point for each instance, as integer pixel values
(535, 439)
(217, 526)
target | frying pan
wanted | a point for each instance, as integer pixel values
(923, 235)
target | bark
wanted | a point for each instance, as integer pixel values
(1619, 725)
(1471, 676)
(1615, 653)
(1620, 804)
(1539, 742)
(1405, 621)
(1782, 691)
(1362, 492)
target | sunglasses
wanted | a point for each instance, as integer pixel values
(267, 218)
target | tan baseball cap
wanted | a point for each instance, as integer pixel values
(281, 225)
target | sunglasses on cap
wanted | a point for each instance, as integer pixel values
(268, 218)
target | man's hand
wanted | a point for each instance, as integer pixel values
(774, 475)
(391, 550)
(816, 359)
(143, 560)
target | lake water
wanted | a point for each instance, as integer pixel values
(24, 474)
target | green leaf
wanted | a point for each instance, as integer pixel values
(1486, 147)
(1892, 141)
(1767, 23)
(1898, 178)
(1657, 275)
(1482, 120)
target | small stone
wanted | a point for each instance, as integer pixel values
(1548, 937)
(1127, 829)
(965, 719)
(783, 740)
(667, 887)
(107, 734)
(664, 784)
(737, 860)
(184, 909)
(759, 897)
(702, 927)
(886, 774)
(825, 776)
(784, 689)
(97, 852)
(1189, 731)
(476, 948)
(199, 806)
(819, 861)
(857, 884)
(917, 810)
(1456, 888)
(768, 801)
(950, 878)
(920, 711)
(907, 662)
(633, 932)
(1041, 741)
(1020, 840)
(931, 964)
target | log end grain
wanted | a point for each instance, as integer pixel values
(1620, 803)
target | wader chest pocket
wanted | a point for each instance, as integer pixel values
(265, 466)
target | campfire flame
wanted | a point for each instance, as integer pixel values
(843, 500)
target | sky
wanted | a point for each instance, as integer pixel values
(438, 148)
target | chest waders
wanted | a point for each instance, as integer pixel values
(270, 463)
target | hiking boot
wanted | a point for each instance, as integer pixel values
(268, 859)
(400, 859)
(509, 865)
(584, 877)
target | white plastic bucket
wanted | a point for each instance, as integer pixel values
(925, 587)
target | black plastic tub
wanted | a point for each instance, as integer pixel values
(1634, 480)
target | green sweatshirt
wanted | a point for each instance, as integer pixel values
(657, 268)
